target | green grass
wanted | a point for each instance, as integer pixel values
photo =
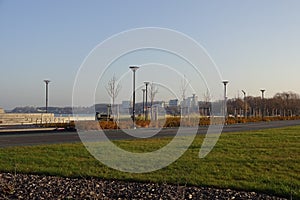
(265, 161)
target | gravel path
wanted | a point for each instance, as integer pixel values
(22, 186)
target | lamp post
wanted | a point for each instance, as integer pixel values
(245, 105)
(262, 103)
(146, 114)
(47, 82)
(225, 99)
(133, 68)
(144, 102)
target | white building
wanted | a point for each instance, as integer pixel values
(190, 102)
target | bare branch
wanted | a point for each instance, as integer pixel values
(207, 96)
(183, 87)
(113, 88)
(153, 90)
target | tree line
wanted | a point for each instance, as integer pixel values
(281, 104)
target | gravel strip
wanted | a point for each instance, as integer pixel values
(22, 186)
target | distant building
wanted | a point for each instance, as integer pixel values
(173, 103)
(160, 103)
(190, 102)
(190, 105)
(2, 110)
(194, 101)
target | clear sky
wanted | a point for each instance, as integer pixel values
(255, 44)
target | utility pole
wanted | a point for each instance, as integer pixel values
(144, 102)
(262, 103)
(47, 82)
(225, 99)
(146, 113)
(133, 68)
(245, 104)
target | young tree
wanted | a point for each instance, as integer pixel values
(153, 90)
(207, 100)
(113, 88)
(183, 87)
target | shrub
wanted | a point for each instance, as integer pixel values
(167, 122)
(140, 122)
(172, 122)
(108, 125)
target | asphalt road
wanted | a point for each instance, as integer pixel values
(56, 137)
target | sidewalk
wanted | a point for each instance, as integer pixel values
(19, 130)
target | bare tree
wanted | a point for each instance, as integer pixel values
(153, 90)
(207, 99)
(113, 88)
(283, 104)
(183, 87)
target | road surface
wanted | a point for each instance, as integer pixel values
(53, 137)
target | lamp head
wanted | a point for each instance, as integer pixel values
(225, 82)
(134, 68)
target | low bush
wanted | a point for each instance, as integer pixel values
(108, 125)
(172, 122)
(142, 123)
(168, 122)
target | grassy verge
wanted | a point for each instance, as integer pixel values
(168, 121)
(264, 161)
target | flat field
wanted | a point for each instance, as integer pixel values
(266, 161)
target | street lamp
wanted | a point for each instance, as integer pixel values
(245, 105)
(47, 82)
(225, 99)
(144, 102)
(146, 114)
(262, 103)
(133, 68)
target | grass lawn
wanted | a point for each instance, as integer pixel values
(265, 161)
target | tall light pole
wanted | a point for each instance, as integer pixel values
(245, 105)
(144, 102)
(146, 114)
(262, 103)
(133, 68)
(47, 82)
(225, 99)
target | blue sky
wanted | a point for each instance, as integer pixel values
(255, 44)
